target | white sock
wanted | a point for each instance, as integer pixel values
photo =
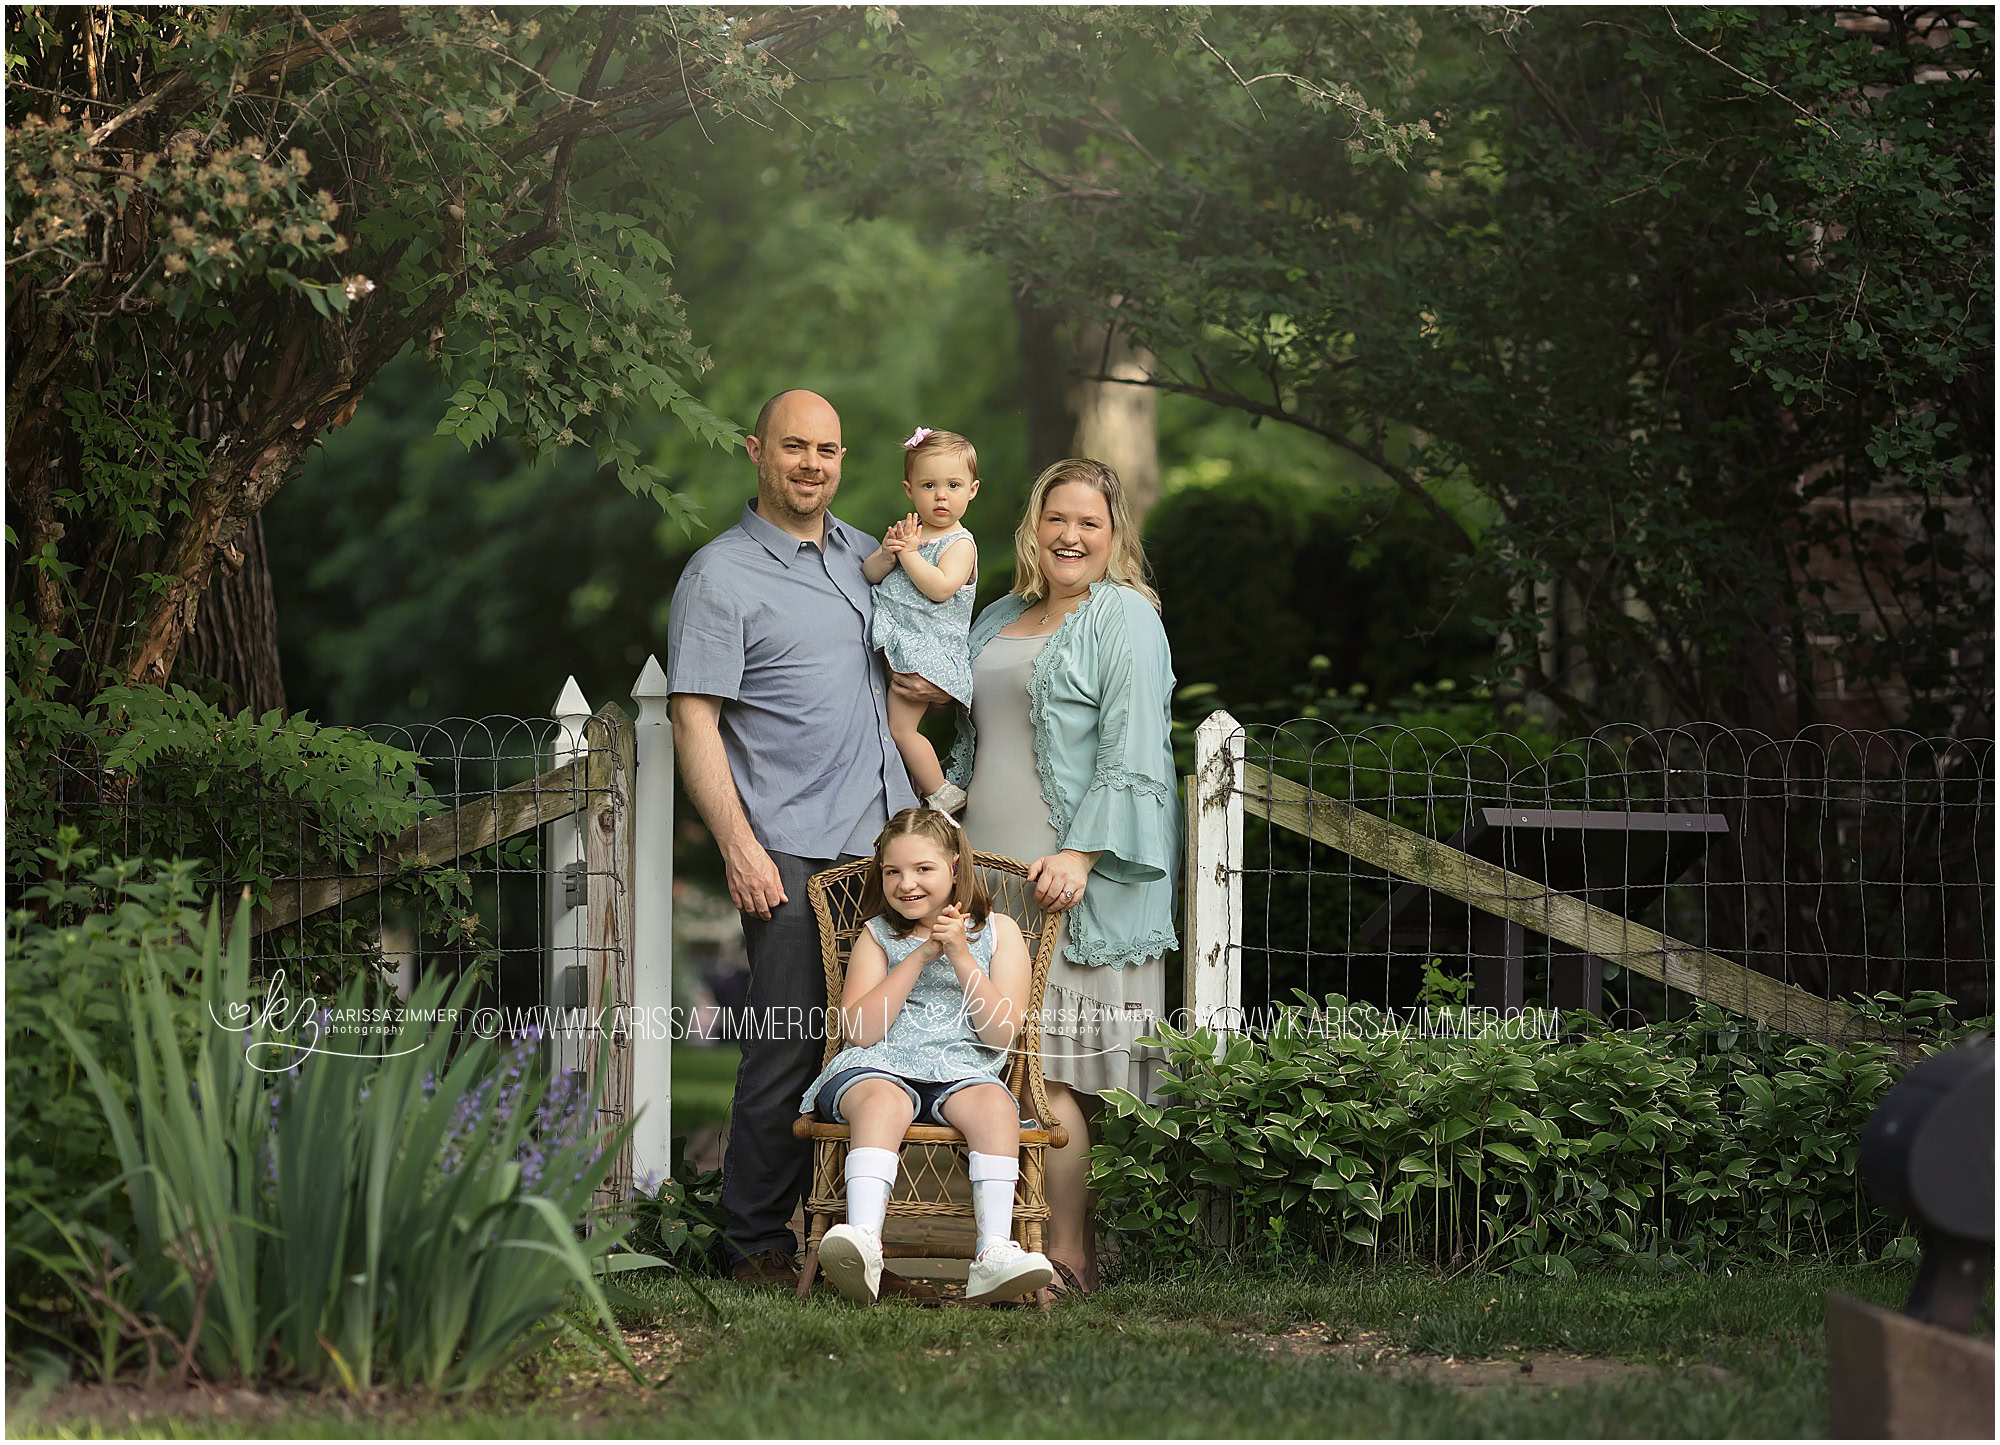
(871, 1174)
(993, 1177)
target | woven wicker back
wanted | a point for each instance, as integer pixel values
(836, 903)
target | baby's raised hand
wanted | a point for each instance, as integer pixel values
(902, 535)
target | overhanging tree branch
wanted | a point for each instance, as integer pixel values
(185, 85)
(245, 468)
(1401, 476)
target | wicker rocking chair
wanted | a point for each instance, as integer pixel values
(933, 1154)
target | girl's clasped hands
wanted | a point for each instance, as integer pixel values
(947, 938)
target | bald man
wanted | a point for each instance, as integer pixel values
(781, 726)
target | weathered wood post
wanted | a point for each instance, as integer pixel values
(563, 988)
(607, 909)
(653, 927)
(1213, 986)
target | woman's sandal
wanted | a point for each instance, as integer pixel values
(1064, 1284)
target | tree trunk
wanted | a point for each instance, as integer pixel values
(1117, 424)
(225, 502)
(235, 636)
(1046, 365)
(1070, 416)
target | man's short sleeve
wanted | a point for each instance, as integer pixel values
(704, 638)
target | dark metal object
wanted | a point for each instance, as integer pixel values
(576, 885)
(1620, 861)
(1927, 1154)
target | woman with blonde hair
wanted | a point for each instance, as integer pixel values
(1067, 760)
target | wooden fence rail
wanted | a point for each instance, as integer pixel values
(1541, 909)
(509, 812)
(1224, 786)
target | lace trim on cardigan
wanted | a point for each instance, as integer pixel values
(958, 765)
(1129, 954)
(1131, 782)
(1088, 953)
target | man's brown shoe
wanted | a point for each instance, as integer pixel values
(767, 1267)
(894, 1286)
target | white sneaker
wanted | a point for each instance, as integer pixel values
(950, 799)
(852, 1260)
(1004, 1270)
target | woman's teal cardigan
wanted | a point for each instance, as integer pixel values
(1100, 699)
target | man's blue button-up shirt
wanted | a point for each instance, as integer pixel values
(779, 630)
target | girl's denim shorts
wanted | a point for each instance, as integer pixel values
(927, 1095)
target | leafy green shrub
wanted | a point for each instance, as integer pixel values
(161, 772)
(1328, 566)
(1341, 1133)
(389, 1212)
(1445, 715)
(678, 1219)
(68, 976)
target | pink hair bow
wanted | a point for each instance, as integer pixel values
(917, 437)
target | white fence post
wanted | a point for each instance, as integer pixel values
(653, 928)
(1213, 990)
(565, 847)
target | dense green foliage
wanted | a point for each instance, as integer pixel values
(1553, 279)
(1332, 574)
(224, 222)
(68, 976)
(1514, 274)
(678, 1219)
(1633, 326)
(1699, 302)
(1421, 757)
(394, 1206)
(252, 801)
(1343, 1132)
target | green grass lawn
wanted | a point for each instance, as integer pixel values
(1739, 1354)
(704, 1079)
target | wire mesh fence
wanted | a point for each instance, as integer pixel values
(469, 848)
(1827, 883)
(389, 869)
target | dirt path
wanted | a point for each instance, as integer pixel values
(1533, 1370)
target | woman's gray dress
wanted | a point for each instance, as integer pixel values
(1090, 1016)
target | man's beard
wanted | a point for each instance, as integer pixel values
(779, 494)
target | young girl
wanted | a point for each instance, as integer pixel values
(935, 991)
(923, 576)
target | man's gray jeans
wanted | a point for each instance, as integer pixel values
(766, 1172)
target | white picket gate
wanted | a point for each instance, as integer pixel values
(609, 961)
